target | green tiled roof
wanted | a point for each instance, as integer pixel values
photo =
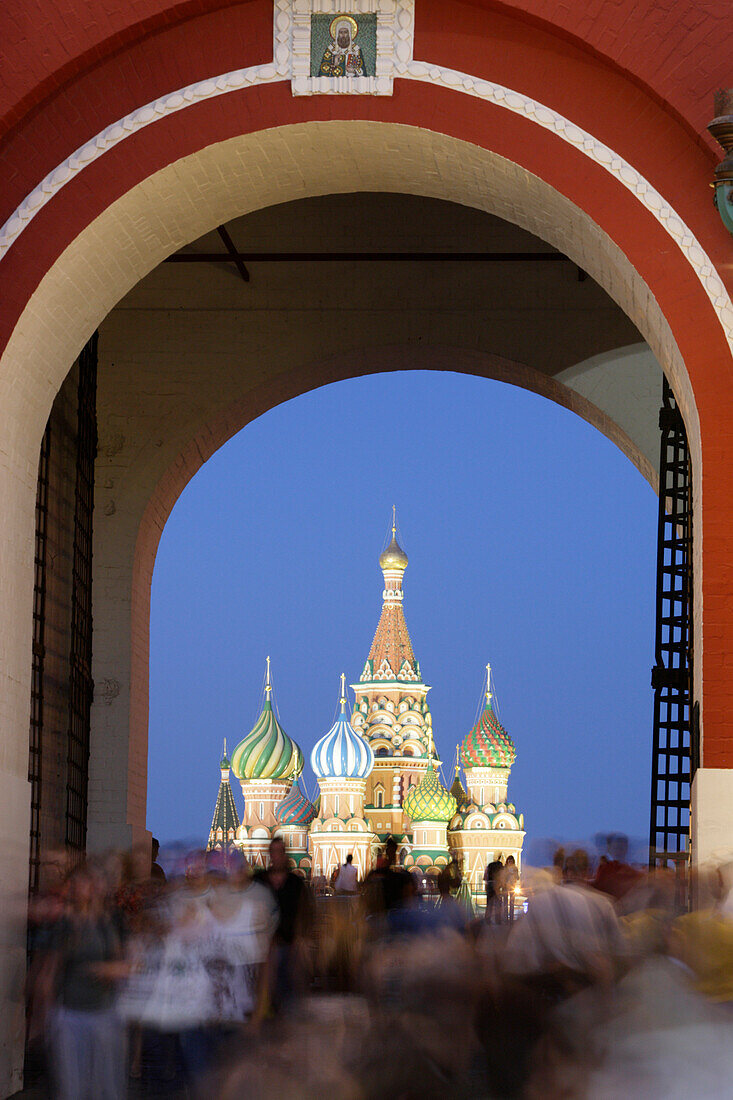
(429, 800)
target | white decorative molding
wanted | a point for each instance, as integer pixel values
(595, 150)
(404, 67)
(395, 30)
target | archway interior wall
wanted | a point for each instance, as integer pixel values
(626, 384)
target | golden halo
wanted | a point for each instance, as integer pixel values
(344, 19)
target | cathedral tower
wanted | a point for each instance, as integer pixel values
(486, 827)
(343, 762)
(391, 710)
(225, 821)
(293, 816)
(429, 807)
(266, 763)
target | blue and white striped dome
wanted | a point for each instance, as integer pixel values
(342, 753)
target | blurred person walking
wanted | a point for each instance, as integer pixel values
(449, 911)
(492, 883)
(157, 874)
(570, 936)
(347, 879)
(86, 1036)
(385, 887)
(508, 883)
(615, 875)
(295, 917)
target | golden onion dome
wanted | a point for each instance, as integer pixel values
(394, 557)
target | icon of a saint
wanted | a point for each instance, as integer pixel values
(342, 57)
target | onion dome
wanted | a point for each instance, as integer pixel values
(296, 809)
(267, 752)
(488, 745)
(429, 800)
(225, 761)
(342, 753)
(394, 557)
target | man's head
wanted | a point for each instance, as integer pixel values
(278, 855)
(349, 858)
(390, 851)
(343, 36)
(154, 848)
(576, 866)
(618, 847)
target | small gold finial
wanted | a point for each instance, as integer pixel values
(394, 520)
(268, 685)
(225, 746)
(488, 683)
(343, 692)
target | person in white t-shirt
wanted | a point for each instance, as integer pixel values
(347, 879)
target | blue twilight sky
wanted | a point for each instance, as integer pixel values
(531, 542)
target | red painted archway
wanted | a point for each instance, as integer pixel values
(645, 109)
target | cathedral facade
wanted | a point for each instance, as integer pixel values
(378, 773)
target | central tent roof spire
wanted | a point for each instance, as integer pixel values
(391, 656)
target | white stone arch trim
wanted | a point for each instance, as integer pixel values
(425, 72)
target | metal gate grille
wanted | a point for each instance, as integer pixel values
(35, 752)
(675, 742)
(81, 685)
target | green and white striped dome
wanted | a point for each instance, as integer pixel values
(429, 800)
(267, 752)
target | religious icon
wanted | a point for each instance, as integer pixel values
(342, 56)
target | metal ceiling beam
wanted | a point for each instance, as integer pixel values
(232, 256)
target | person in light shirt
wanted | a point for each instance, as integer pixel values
(347, 878)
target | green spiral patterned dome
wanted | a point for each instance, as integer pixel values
(267, 752)
(488, 745)
(429, 800)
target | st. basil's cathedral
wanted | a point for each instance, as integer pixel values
(378, 774)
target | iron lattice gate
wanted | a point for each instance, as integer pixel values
(35, 753)
(675, 748)
(81, 684)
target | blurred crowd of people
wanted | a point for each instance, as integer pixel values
(252, 983)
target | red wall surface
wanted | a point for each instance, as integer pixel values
(639, 77)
